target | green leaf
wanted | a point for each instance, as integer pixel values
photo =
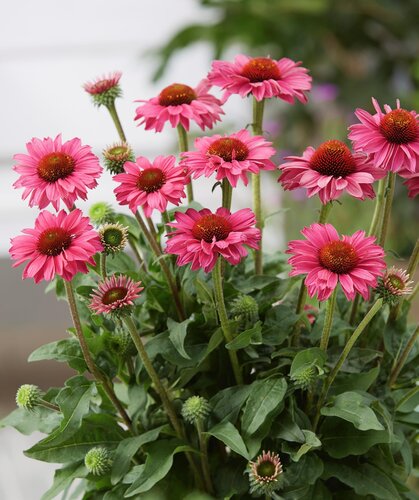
(253, 336)
(279, 322)
(41, 420)
(365, 479)
(63, 479)
(177, 335)
(128, 448)
(265, 397)
(351, 406)
(311, 442)
(354, 381)
(227, 403)
(285, 428)
(302, 474)
(313, 356)
(67, 351)
(341, 438)
(158, 463)
(229, 435)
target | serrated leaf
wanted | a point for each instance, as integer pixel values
(229, 435)
(253, 336)
(177, 335)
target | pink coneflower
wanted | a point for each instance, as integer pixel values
(354, 261)
(178, 104)
(392, 138)
(61, 244)
(265, 473)
(261, 76)
(54, 172)
(115, 294)
(200, 237)
(151, 185)
(104, 90)
(412, 182)
(231, 156)
(329, 171)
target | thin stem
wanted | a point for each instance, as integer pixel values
(183, 146)
(103, 264)
(112, 111)
(324, 212)
(88, 358)
(50, 406)
(157, 251)
(413, 261)
(402, 359)
(389, 193)
(204, 456)
(354, 309)
(302, 295)
(342, 358)
(225, 325)
(257, 125)
(378, 212)
(227, 194)
(328, 320)
(136, 252)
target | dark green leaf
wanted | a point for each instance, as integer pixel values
(313, 356)
(63, 479)
(41, 420)
(177, 335)
(67, 350)
(285, 428)
(354, 381)
(229, 435)
(253, 336)
(227, 403)
(311, 442)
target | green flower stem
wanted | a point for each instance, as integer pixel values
(167, 404)
(328, 320)
(389, 193)
(135, 251)
(204, 456)
(378, 209)
(50, 406)
(257, 125)
(324, 212)
(88, 358)
(225, 325)
(342, 358)
(103, 264)
(169, 277)
(116, 121)
(183, 146)
(395, 372)
(227, 194)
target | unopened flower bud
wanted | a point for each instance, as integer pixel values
(305, 376)
(245, 310)
(114, 237)
(195, 408)
(28, 396)
(101, 213)
(265, 475)
(98, 461)
(393, 285)
(104, 90)
(116, 155)
(122, 343)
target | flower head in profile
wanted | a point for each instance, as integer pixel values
(353, 261)
(115, 295)
(412, 182)
(394, 284)
(55, 172)
(390, 137)
(329, 171)
(232, 157)
(104, 90)
(265, 474)
(116, 155)
(151, 185)
(61, 244)
(262, 77)
(201, 236)
(179, 104)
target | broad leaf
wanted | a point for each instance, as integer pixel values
(229, 435)
(41, 420)
(253, 336)
(311, 442)
(306, 359)
(67, 350)
(177, 335)
(63, 479)
(227, 403)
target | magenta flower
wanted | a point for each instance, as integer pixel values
(354, 261)
(55, 172)
(103, 84)
(231, 156)
(200, 237)
(178, 104)
(61, 244)
(151, 185)
(392, 138)
(261, 76)
(329, 171)
(115, 294)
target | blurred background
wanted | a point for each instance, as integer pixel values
(48, 49)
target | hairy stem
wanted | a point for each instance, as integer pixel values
(388, 201)
(117, 122)
(103, 264)
(183, 146)
(402, 359)
(227, 194)
(328, 320)
(204, 456)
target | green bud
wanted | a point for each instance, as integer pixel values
(101, 213)
(195, 408)
(98, 461)
(114, 237)
(116, 155)
(305, 376)
(245, 310)
(28, 396)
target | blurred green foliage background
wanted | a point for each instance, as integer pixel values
(354, 49)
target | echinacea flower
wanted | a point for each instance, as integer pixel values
(353, 261)
(151, 185)
(200, 237)
(113, 236)
(61, 244)
(178, 104)
(115, 294)
(394, 284)
(105, 90)
(116, 155)
(232, 157)
(54, 171)
(412, 182)
(265, 473)
(262, 77)
(391, 138)
(329, 171)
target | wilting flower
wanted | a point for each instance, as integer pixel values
(231, 157)
(98, 461)
(28, 396)
(392, 138)
(53, 172)
(116, 155)
(178, 104)
(61, 244)
(265, 474)
(115, 294)
(200, 237)
(329, 171)
(261, 76)
(151, 185)
(105, 90)
(353, 261)
(195, 408)
(393, 285)
(114, 237)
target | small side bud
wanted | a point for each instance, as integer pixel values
(195, 408)
(305, 377)
(245, 310)
(98, 461)
(122, 344)
(28, 396)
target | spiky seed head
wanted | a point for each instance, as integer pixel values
(98, 461)
(116, 155)
(28, 396)
(245, 310)
(195, 408)
(114, 237)
(122, 344)
(101, 213)
(265, 474)
(305, 376)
